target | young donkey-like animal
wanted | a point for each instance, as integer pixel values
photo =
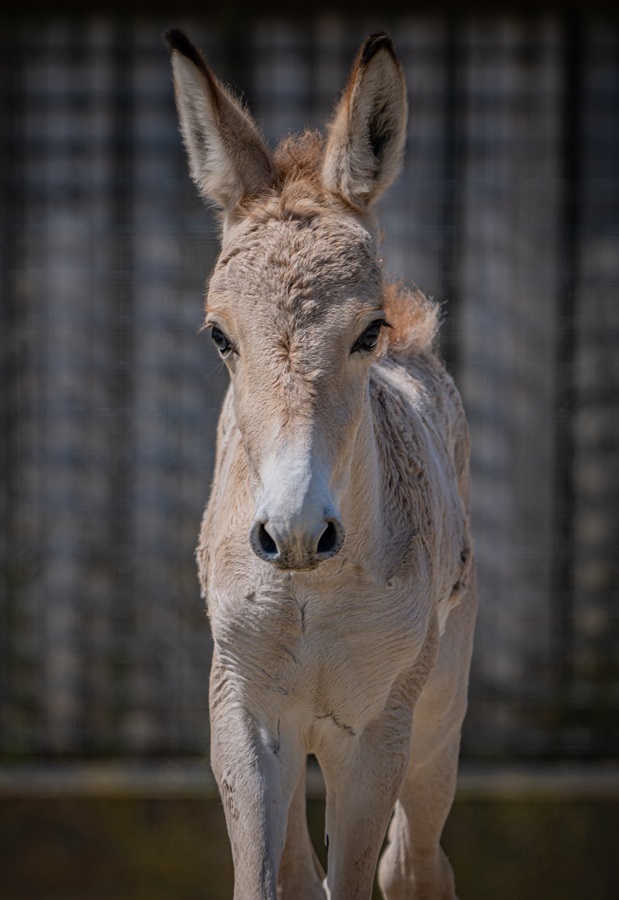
(335, 550)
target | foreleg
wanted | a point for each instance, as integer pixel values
(301, 876)
(363, 781)
(257, 767)
(414, 866)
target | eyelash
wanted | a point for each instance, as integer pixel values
(371, 334)
(222, 343)
(365, 343)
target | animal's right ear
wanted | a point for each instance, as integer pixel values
(227, 157)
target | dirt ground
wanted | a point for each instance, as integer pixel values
(151, 849)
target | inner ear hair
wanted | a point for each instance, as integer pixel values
(368, 130)
(228, 160)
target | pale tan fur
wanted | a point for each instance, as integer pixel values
(343, 466)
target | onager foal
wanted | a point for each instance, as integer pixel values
(335, 550)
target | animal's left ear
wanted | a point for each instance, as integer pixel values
(368, 130)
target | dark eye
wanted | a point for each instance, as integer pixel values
(221, 341)
(369, 339)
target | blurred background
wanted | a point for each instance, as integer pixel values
(507, 212)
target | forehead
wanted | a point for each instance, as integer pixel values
(305, 264)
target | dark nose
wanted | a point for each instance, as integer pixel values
(287, 548)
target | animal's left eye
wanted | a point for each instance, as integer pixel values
(369, 339)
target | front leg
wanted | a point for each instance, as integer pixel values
(414, 866)
(364, 774)
(300, 874)
(362, 782)
(257, 766)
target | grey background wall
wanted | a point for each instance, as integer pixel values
(507, 211)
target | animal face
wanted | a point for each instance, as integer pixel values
(296, 301)
(296, 311)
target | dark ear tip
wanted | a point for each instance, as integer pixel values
(175, 38)
(379, 40)
(178, 40)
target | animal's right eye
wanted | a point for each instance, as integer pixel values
(221, 341)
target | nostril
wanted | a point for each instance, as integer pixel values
(287, 549)
(266, 541)
(328, 542)
(263, 544)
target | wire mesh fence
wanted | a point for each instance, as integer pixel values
(508, 209)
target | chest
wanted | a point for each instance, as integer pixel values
(330, 651)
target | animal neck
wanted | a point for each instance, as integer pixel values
(362, 504)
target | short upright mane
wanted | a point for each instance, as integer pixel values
(298, 187)
(298, 158)
(414, 319)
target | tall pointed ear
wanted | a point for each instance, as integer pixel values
(368, 130)
(227, 157)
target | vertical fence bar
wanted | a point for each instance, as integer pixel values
(452, 158)
(566, 398)
(592, 727)
(11, 207)
(509, 210)
(122, 354)
(63, 286)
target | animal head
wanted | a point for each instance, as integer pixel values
(296, 302)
